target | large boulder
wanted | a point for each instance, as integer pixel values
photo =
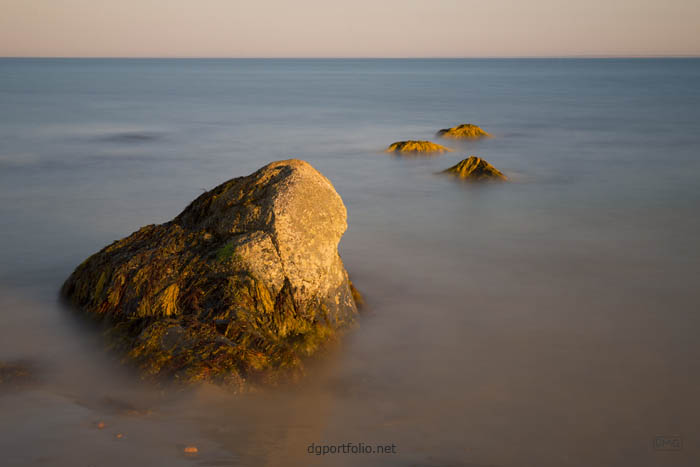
(243, 284)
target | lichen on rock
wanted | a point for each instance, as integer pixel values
(242, 285)
(475, 168)
(416, 147)
(464, 131)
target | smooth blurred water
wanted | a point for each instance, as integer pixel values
(549, 321)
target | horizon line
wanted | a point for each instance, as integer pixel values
(222, 57)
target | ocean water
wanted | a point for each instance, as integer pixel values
(549, 321)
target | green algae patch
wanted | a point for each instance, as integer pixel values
(464, 131)
(413, 147)
(226, 252)
(476, 169)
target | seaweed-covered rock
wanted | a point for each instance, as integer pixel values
(464, 131)
(475, 168)
(245, 282)
(416, 147)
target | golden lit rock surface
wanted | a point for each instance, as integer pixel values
(417, 147)
(464, 131)
(242, 285)
(475, 168)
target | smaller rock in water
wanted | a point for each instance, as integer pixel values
(17, 374)
(464, 131)
(475, 168)
(129, 137)
(122, 407)
(190, 450)
(417, 147)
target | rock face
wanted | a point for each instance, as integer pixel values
(464, 131)
(242, 284)
(475, 168)
(417, 147)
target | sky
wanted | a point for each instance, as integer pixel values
(351, 28)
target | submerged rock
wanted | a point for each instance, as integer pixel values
(464, 131)
(245, 282)
(417, 147)
(475, 168)
(16, 374)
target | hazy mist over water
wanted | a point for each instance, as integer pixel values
(549, 321)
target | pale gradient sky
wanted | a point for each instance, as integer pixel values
(351, 28)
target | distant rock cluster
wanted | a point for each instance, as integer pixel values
(471, 169)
